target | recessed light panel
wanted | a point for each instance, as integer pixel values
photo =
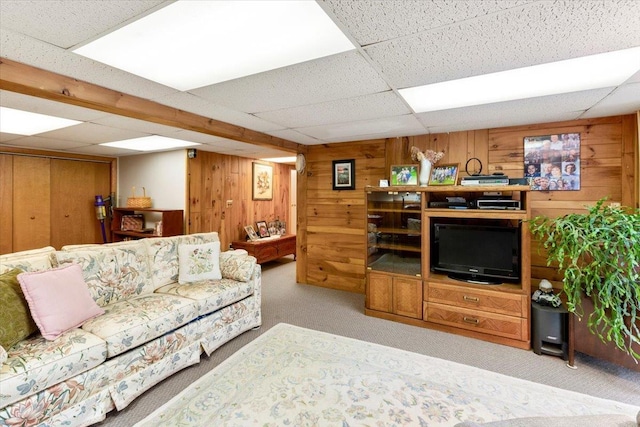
(572, 75)
(20, 122)
(190, 44)
(150, 143)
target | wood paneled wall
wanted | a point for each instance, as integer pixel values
(333, 243)
(214, 179)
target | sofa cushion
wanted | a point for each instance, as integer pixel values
(132, 322)
(210, 295)
(31, 260)
(112, 273)
(163, 259)
(36, 363)
(15, 318)
(199, 262)
(73, 303)
(237, 266)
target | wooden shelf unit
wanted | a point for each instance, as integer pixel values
(172, 223)
(496, 313)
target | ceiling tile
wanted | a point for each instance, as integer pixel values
(76, 21)
(340, 111)
(44, 143)
(379, 128)
(334, 77)
(622, 100)
(90, 133)
(507, 40)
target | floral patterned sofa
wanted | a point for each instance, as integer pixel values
(161, 308)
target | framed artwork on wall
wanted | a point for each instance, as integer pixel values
(344, 174)
(404, 175)
(444, 174)
(552, 162)
(262, 180)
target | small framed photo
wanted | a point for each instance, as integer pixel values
(263, 231)
(444, 174)
(251, 233)
(404, 175)
(383, 183)
(344, 174)
(262, 181)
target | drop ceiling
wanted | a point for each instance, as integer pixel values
(344, 97)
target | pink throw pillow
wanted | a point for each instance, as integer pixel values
(59, 299)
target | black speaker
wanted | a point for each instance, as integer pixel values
(549, 330)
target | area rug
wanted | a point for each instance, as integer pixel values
(291, 376)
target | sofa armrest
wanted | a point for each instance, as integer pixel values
(236, 266)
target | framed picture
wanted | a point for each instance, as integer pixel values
(552, 162)
(344, 174)
(444, 174)
(404, 175)
(263, 231)
(251, 233)
(262, 181)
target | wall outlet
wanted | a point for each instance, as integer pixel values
(229, 203)
(615, 204)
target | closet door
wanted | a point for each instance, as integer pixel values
(6, 204)
(74, 185)
(31, 202)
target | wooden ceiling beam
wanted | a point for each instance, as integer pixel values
(28, 80)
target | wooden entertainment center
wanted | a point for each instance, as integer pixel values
(401, 285)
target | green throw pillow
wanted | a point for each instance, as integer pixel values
(16, 323)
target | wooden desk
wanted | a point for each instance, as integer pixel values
(268, 249)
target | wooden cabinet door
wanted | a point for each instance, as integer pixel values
(31, 203)
(380, 292)
(74, 185)
(407, 297)
(6, 204)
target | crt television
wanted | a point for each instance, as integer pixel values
(476, 253)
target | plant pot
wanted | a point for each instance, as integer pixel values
(586, 342)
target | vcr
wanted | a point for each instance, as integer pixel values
(497, 204)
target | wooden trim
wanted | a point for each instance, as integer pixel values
(28, 80)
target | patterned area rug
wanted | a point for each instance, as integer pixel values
(300, 377)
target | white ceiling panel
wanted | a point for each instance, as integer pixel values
(340, 111)
(334, 77)
(45, 143)
(90, 133)
(379, 128)
(533, 34)
(620, 101)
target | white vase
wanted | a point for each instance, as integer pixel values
(425, 172)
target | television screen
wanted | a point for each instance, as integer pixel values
(476, 253)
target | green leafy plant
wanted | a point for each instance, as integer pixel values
(599, 253)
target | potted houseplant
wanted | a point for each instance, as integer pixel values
(599, 254)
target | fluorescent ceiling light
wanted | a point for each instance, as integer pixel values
(572, 75)
(150, 143)
(281, 159)
(190, 44)
(20, 122)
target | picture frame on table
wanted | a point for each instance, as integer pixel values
(404, 175)
(344, 174)
(446, 174)
(263, 230)
(251, 233)
(262, 181)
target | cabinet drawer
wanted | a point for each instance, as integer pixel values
(478, 299)
(473, 320)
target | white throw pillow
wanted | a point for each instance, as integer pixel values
(199, 262)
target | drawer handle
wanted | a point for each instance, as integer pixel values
(471, 299)
(471, 320)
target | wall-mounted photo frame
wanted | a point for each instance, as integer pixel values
(446, 174)
(344, 174)
(404, 175)
(251, 233)
(552, 162)
(262, 180)
(263, 230)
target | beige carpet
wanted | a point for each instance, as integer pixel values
(341, 313)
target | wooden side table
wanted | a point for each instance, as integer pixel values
(268, 249)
